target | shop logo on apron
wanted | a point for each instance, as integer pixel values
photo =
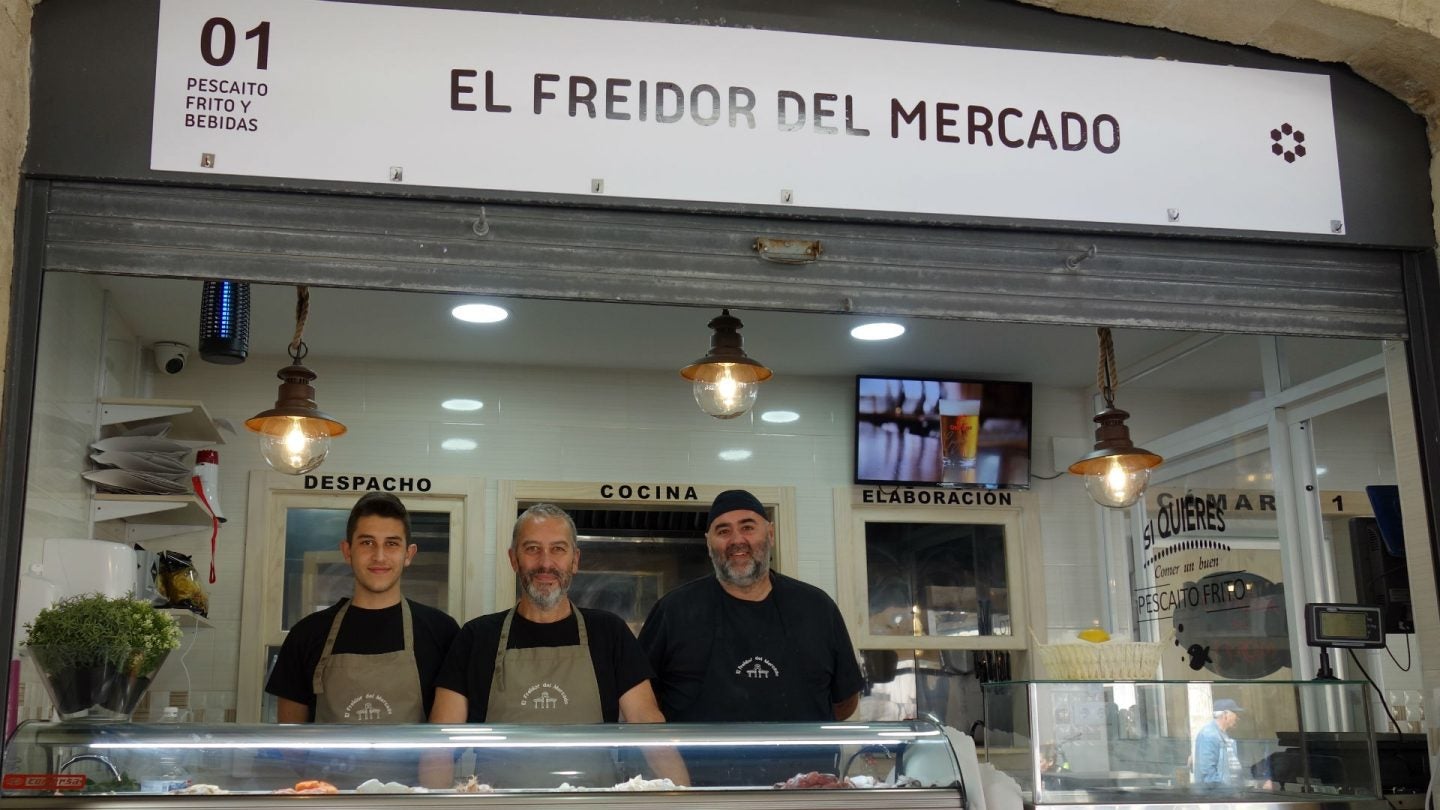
(758, 668)
(363, 709)
(550, 696)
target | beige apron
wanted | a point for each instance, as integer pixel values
(381, 688)
(548, 685)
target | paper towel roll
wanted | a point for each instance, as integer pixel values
(78, 566)
(36, 594)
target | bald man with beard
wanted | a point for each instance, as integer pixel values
(749, 644)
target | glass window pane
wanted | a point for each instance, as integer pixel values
(937, 579)
(1359, 499)
(1308, 358)
(1184, 390)
(943, 684)
(317, 576)
(1211, 587)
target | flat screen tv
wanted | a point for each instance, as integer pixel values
(937, 432)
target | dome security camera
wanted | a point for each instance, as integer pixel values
(170, 357)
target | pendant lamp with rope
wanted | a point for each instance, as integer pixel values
(1116, 471)
(295, 435)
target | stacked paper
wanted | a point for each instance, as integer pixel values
(141, 462)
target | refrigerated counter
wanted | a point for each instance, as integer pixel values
(1123, 744)
(896, 765)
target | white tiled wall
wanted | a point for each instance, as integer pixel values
(84, 352)
(66, 388)
(570, 424)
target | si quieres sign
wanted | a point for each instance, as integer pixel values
(1225, 604)
(1177, 554)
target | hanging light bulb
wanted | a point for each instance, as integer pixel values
(726, 381)
(729, 394)
(1116, 471)
(1117, 482)
(295, 435)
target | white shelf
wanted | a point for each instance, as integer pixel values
(158, 515)
(184, 616)
(189, 421)
(151, 517)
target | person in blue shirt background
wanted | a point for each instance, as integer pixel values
(1216, 761)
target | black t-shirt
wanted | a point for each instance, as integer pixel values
(797, 624)
(365, 632)
(618, 660)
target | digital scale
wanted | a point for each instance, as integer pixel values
(1339, 625)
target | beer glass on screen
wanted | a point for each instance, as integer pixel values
(959, 433)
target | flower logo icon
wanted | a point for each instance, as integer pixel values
(1287, 142)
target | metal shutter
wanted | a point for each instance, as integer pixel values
(709, 259)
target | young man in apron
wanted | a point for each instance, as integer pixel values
(750, 645)
(371, 658)
(547, 661)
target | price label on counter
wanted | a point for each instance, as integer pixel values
(44, 781)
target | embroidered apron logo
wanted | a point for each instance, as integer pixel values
(757, 667)
(545, 699)
(364, 710)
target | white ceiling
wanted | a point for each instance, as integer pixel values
(418, 326)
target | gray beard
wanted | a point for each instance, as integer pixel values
(543, 600)
(759, 569)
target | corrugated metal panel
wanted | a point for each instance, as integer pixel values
(649, 257)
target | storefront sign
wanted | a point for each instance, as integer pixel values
(464, 99)
(917, 496)
(368, 483)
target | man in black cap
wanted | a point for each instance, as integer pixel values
(749, 644)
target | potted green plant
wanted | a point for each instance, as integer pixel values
(97, 654)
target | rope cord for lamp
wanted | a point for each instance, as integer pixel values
(1107, 379)
(298, 349)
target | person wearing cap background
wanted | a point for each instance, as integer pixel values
(1216, 760)
(749, 644)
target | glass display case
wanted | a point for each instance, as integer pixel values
(890, 765)
(1191, 742)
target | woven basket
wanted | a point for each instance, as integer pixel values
(1106, 661)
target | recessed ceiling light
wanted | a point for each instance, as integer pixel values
(459, 444)
(735, 455)
(779, 417)
(480, 313)
(462, 404)
(1321, 470)
(877, 331)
